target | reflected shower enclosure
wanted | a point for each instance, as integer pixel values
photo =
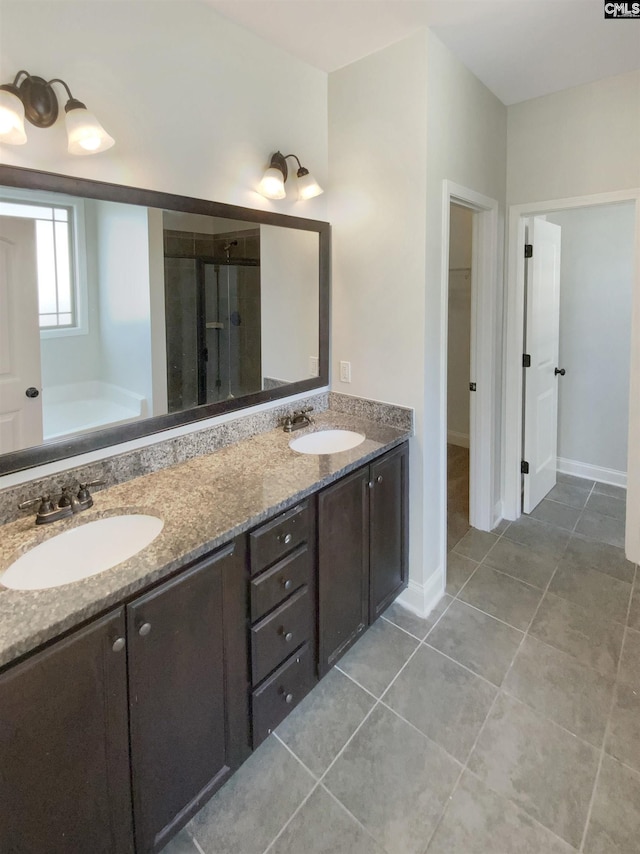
(213, 317)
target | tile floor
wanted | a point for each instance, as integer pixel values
(507, 722)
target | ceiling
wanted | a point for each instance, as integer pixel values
(520, 49)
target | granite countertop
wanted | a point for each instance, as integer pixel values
(204, 502)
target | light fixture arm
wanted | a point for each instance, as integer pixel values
(39, 99)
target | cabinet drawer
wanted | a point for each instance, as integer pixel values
(276, 636)
(279, 537)
(273, 701)
(282, 580)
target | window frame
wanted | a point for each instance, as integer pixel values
(78, 254)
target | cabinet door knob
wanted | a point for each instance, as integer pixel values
(379, 479)
(285, 538)
(118, 645)
(370, 484)
(287, 583)
(288, 637)
(288, 698)
(144, 630)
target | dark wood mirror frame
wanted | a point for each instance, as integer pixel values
(13, 176)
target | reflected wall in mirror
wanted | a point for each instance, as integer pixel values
(119, 318)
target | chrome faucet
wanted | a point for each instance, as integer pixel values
(68, 503)
(299, 419)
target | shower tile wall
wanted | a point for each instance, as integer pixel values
(244, 311)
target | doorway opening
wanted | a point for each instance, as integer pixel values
(459, 371)
(477, 357)
(570, 392)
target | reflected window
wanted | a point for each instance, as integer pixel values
(55, 252)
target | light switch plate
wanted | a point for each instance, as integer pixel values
(345, 372)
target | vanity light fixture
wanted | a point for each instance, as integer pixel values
(33, 98)
(272, 184)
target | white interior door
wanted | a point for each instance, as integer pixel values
(20, 415)
(542, 332)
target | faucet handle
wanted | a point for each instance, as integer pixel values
(97, 482)
(84, 496)
(43, 500)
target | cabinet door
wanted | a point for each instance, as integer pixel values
(388, 532)
(343, 566)
(64, 753)
(188, 692)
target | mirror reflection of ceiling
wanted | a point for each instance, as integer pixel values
(111, 313)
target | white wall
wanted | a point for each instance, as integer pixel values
(400, 122)
(195, 103)
(123, 288)
(575, 142)
(466, 144)
(459, 325)
(596, 285)
(289, 305)
(377, 149)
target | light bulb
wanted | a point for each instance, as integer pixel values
(308, 187)
(11, 118)
(84, 132)
(272, 184)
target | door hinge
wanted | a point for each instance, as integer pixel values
(528, 250)
(526, 360)
(472, 386)
(524, 467)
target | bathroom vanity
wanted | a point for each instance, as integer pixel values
(128, 699)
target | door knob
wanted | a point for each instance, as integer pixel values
(32, 392)
(144, 630)
(560, 371)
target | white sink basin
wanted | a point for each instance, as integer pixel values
(326, 442)
(82, 552)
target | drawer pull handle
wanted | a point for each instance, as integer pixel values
(285, 538)
(288, 699)
(144, 630)
(379, 479)
(287, 583)
(118, 645)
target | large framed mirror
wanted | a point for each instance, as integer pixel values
(125, 312)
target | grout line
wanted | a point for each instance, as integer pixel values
(402, 629)
(614, 695)
(426, 644)
(349, 813)
(195, 843)
(295, 756)
(421, 639)
(462, 770)
(497, 619)
(513, 577)
(291, 817)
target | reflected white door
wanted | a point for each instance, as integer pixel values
(20, 415)
(542, 333)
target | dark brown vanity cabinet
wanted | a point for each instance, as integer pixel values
(146, 705)
(362, 551)
(64, 746)
(188, 680)
(283, 615)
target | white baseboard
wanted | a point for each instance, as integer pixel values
(589, 472)
(459, 439)
(421, 599)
